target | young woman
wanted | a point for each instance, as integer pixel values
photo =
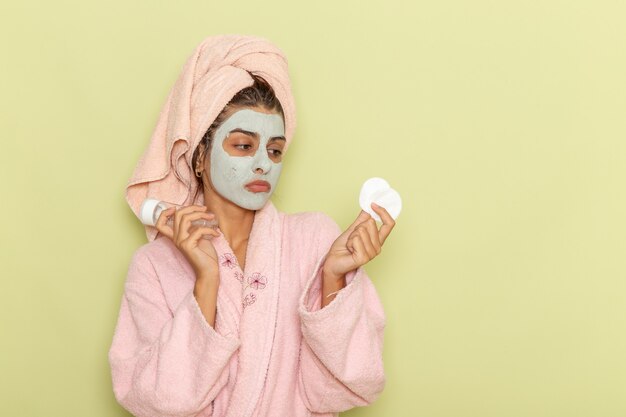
(269, 314)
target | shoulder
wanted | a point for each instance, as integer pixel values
(150, 256)
(155, 248)
(312, 225)
(310, 221)
(159, 264)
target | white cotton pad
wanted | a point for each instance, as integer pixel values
(377, 190)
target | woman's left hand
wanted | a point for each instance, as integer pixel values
(359, 244)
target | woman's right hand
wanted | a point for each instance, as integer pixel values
(199, 252)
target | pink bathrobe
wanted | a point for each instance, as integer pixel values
(273, 352)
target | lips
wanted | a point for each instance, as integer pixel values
(258, 186)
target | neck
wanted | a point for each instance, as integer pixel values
(235, 222)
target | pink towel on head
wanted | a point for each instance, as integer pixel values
(218, 68)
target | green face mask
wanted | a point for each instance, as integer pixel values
(247, 181)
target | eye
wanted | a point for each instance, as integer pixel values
(243, 146)
(275, 152)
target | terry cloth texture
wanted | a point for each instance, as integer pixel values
(273, 350)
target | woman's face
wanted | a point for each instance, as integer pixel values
(246, 155)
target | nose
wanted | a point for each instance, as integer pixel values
(262, 163)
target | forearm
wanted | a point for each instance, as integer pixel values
(331, 284)
(205, 291)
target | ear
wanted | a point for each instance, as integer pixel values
(200, 159)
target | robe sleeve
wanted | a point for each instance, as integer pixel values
(341, 364)
(165, 363)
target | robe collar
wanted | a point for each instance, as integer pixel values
(247, 304)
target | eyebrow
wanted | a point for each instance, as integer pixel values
(255, 135)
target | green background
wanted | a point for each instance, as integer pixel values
(501, 124)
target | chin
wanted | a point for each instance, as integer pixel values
(256, 205)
